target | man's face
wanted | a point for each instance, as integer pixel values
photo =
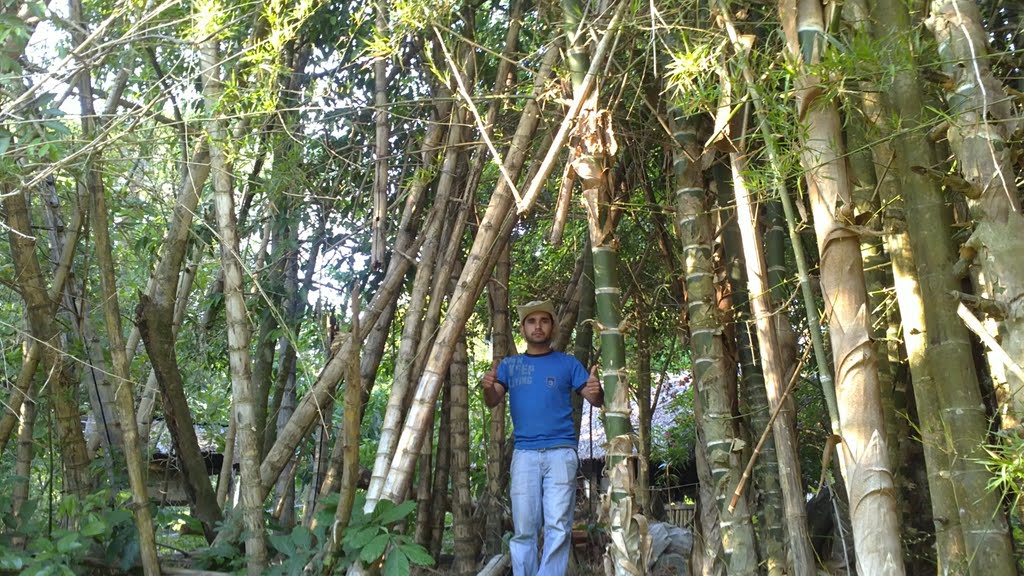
(537, 328)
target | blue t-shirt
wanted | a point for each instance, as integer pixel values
(539, 398)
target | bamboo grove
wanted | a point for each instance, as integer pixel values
(271, 248)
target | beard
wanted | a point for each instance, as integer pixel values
(536, 339)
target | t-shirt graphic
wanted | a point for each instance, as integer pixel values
(539, 398)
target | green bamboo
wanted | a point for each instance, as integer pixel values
(613, 351)
(713, 377)
(593, 156)
(771, 538)
(778, 182)
(988, 548)
(876, 264)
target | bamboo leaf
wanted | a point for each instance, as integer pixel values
(283, 544)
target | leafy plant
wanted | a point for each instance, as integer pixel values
(370, 539)
(1006, 461)
(296, 548)
(103, 532)
(674, 444)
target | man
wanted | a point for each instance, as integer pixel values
(544, 462)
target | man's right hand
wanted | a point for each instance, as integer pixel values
(493, 390)
(491, 376)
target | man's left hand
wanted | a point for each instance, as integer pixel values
(592, 389)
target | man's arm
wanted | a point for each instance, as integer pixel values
(592, 390)
(494, 391)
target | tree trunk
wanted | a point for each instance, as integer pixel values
(164, 286)
(783, 428)
(956, 415)
(125, 404)
(23, 390)
(983, 123)
(713, 375)
(123, 391)
(350, 432)
(39, 309)
(708, 558)
(243, 393)
(325, 465)
(567, 307)
(414, 317)
(295, 296)
(444, 278)
(741, 48)
(225, 478)
(349, 440)
(285, 510)
(644, 414)
(949, 538)
(768, 502)
(375, 327)
(23, 472)
(380, 156)
(441, 497)
(876, 267)
(869, 477)
(159, 342)
(592, 157)
(285, 390)
(463, 527)
(492, 233)
(379, 336)
(264, 349)
(502, 345)
(424, 491)
(583, 345)
(284, 235)
(104, 420)
(103, 426)
(775, 262)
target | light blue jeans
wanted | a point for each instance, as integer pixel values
(543, 494)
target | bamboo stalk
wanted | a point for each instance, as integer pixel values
(976, 326)
(244, 410)
(767, 431)
(799, 254)
(784, 426)
(579, 99)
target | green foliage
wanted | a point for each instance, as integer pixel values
(812, 424)
(370, 539)
(674, 444)
(297, 547)
(98, 531)
(224, 556)
(1005, 459)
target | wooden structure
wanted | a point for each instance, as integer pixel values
(165, 482)
(680, 515)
